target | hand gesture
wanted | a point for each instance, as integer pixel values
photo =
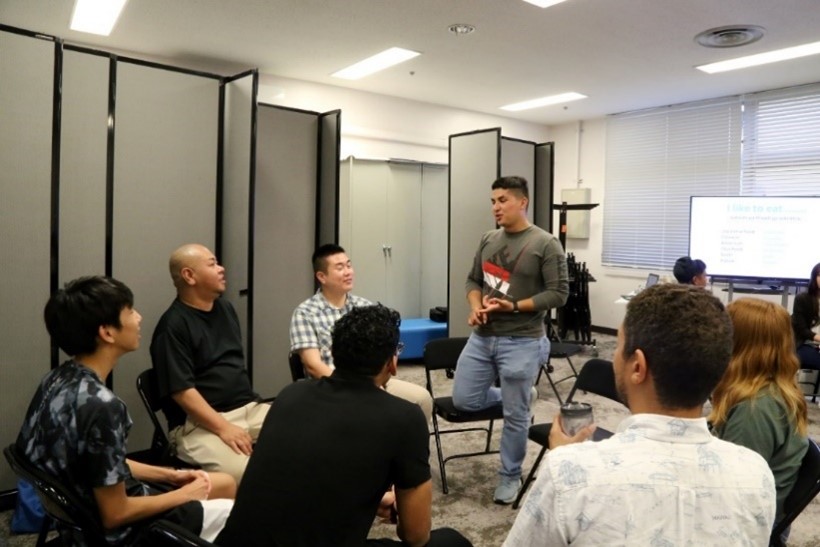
(237, 438)
(197, 489)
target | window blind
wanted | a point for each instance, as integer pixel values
(781, 152)
(655, 160)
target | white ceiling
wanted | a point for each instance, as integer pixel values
(623, 54)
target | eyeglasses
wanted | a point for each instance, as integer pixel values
(399, 348)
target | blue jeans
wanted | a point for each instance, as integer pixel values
(515, 360)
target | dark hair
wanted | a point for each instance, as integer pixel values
(364, 339)
(320, 254)
(814, 291)
(516, 184)
(686, 336)
(74, 314)
(686, 269)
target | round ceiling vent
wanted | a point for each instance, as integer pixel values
(460, 29)
(730, 36)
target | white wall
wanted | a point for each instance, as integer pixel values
(381, 127)
(589, 172)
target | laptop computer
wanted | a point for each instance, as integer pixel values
(651, 279)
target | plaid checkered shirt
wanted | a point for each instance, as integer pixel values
(313, 320)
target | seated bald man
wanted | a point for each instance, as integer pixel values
(213, 413)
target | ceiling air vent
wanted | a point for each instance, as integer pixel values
(730, 36)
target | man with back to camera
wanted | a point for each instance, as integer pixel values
(330, 449)
(313, 320)
(519, 273)
(213, 413)
(662, 479)
(690, 272)
(77, 429)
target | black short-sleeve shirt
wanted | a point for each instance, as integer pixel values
(192, 348)
(327, 452)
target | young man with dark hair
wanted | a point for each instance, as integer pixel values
(197, 352)
(690, 271)
(662, 479)
(331, 448)
(519, 273)
(76, 428)
(313, 321)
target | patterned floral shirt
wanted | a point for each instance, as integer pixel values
(659, 481)
(76, 430)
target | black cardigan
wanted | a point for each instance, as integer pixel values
(804, 317)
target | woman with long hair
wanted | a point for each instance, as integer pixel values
(806, 322)
(757, 403)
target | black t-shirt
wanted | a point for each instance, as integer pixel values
(192, 348)
(327, 452)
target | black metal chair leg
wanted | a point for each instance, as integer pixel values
(530, 477)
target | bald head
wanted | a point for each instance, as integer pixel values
(187, 256)
(197, 275)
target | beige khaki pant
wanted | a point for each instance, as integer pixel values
(413, 393)
(198, 446)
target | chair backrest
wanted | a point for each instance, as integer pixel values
(443, 353)
(805, 489)
(61, 503)
(148, 389)
(297, 369)
(597, 377)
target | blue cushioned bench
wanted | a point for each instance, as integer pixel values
(415, 333)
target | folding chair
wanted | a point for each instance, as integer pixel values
(597, 377)
(803, 492)
(160, 451)
(76, 521)
(163, 533)
(442, 354)
(559, 350)
(297, 369)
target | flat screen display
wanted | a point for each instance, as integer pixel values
(754, 237)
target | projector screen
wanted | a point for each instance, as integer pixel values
(755, 237)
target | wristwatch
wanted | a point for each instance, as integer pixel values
(515, 306)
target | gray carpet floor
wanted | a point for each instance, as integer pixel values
(469, 507)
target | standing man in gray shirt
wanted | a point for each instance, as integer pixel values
(519, 272)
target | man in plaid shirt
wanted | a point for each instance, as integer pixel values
(313, 320)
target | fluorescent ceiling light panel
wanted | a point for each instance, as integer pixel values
(96, 16)
(380, 61)
(544, 3)
(544, 101)
(762, 58)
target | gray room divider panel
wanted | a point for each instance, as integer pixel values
(328, 211)
(474, 165)
(84, 133)
(518, 159)
(240, 101)
(542, 204)
(165, 167)
(284, 235)
(26, 96)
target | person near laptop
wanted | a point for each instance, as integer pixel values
(690, 271)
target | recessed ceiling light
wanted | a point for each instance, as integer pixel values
(460, 29)
(762, 58)
(544, 3)
(544, 101)
(380, 61)
(96, 16)
(730, 36)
